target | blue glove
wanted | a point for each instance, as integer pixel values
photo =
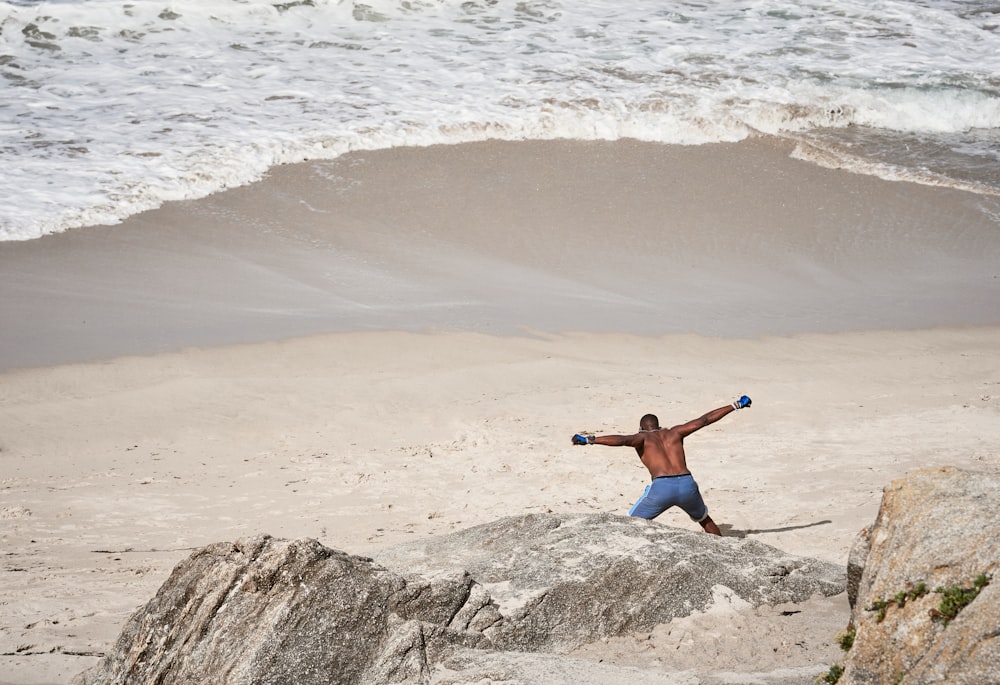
(741, 403)
(583, 439)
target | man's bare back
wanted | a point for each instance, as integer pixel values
(662, 451)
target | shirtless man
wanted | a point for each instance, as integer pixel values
(662, 452)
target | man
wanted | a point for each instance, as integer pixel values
(662, 452)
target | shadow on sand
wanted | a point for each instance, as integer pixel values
(729, 531)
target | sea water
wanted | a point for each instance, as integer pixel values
(112, 107)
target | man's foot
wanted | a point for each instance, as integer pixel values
(709, 526)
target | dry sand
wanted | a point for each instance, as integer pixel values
(115, 467)
(114, 471)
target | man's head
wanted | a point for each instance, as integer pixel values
(649, 422)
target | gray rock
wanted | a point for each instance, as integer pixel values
(562, 581)
(266, 611)
(937, 527)
(856, 564)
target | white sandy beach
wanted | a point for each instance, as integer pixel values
(114, 471)
(214, 427)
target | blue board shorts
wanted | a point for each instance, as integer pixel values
(669, 491)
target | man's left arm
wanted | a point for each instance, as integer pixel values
(686, 429)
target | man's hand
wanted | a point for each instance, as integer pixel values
(742, 403)
(583, 439)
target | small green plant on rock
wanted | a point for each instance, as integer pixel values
(881, 606)
(833, 675)
(846, 638)
(900, 599)
(955, 598)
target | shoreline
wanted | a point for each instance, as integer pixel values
(727, 240)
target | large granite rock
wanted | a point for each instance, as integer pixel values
(562, 581)
(935, 529)
(268, 611)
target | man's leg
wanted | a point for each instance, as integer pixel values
(649, 506)
(695, 507)
(709, 526)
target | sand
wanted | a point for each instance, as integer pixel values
(442, 394)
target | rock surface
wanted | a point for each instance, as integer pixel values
(561, 581)
(269, 611)
(937, 528)
(856, 563)
(503, 599)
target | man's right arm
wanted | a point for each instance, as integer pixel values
(618, 440)
(609, 440)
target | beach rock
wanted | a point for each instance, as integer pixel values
(856, 559)
(273, 611)
(936, 529)
(263, 611)
(564, 580)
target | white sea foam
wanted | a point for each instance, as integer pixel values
(111, 107)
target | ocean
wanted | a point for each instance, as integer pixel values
(109, 108)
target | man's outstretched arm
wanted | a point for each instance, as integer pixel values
(609, 440)
(686, 429)
(618, 440)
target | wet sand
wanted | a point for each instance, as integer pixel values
(724, 240)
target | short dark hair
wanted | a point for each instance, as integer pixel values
(649, 422)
